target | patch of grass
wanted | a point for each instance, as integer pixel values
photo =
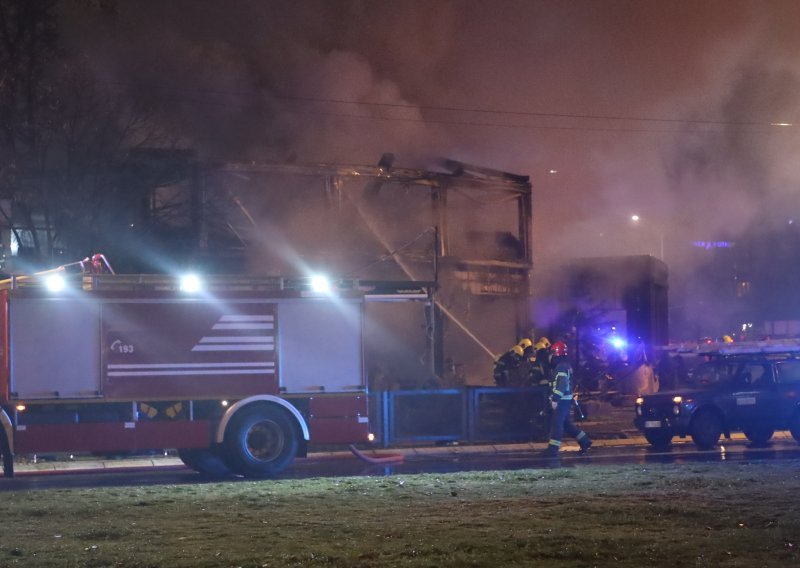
(727, 514)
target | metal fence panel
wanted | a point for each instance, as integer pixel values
(480, 414)
(508, 414)
(425, 416)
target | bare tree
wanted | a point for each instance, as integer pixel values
(64, 141)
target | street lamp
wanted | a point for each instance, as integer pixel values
(636, 220)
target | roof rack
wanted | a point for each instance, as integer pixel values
(767, 346)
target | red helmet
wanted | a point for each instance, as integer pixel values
(559, 348)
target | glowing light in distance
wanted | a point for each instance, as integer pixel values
(635, 218)
(320, 283)
(190, 283)
(55, 283)
(20, 407)
(371, 437)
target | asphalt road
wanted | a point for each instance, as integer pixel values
(126, 473)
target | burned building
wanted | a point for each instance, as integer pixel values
(461, 230)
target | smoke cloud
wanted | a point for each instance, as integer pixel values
(615, 107)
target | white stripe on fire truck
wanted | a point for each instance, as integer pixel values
(187, 365)
(179, 369)
(264, 371)
(243, 325)
(251, 347)
(238, 339)
(247, 318)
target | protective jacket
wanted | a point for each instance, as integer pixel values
(561, 385)
(506, 368)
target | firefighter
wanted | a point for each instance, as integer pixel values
(507, 367)
(540, 371)
(561, 401)
(527, 347)
(525, 374)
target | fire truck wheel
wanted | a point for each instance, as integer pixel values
(260, 442)
(204, 461)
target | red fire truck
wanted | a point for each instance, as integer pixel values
(239, 374)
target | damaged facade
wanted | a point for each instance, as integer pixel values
(461, 230)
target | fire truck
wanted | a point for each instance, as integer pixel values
(239, 374)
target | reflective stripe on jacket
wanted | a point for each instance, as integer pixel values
(561, 385)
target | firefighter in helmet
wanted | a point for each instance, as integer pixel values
(540, 371)
(527, 346)
(525, 374)
(507, 367)
(561, 401)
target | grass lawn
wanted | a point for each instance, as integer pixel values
(722, 514)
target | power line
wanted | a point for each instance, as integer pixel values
(323, 100)
(521, 113)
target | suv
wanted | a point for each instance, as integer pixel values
(756, 394)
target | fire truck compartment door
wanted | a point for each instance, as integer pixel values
(55, 348)
(320, 344)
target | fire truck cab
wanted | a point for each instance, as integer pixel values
(237, 373)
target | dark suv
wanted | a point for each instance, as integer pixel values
(755, 394)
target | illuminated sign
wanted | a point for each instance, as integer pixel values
(708, 245)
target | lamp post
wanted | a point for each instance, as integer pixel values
(636, 220)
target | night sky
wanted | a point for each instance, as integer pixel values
(662, 108)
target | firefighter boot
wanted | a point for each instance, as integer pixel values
(550, 452)
(585, 444)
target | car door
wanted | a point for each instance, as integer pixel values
(755, 399)
(787, 388)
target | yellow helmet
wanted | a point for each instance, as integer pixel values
(727, 339)
(543, 343)
(518, 350)
(525, 343)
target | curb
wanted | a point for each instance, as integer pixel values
(167, 462)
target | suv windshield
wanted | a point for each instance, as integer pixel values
(741, 372)
(713, 373)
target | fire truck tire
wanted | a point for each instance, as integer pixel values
(8, 458)
(205, 461)
(260, 441)
(706, 429)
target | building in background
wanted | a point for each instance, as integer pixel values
(592, 301)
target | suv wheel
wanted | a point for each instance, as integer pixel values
(794, 426)
(759, 435)
(706, 429)
(658, 438)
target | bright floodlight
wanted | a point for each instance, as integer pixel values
(190, 283)
(320, 284)
(635, 218)
(55, 283)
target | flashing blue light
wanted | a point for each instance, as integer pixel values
(617, 342)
